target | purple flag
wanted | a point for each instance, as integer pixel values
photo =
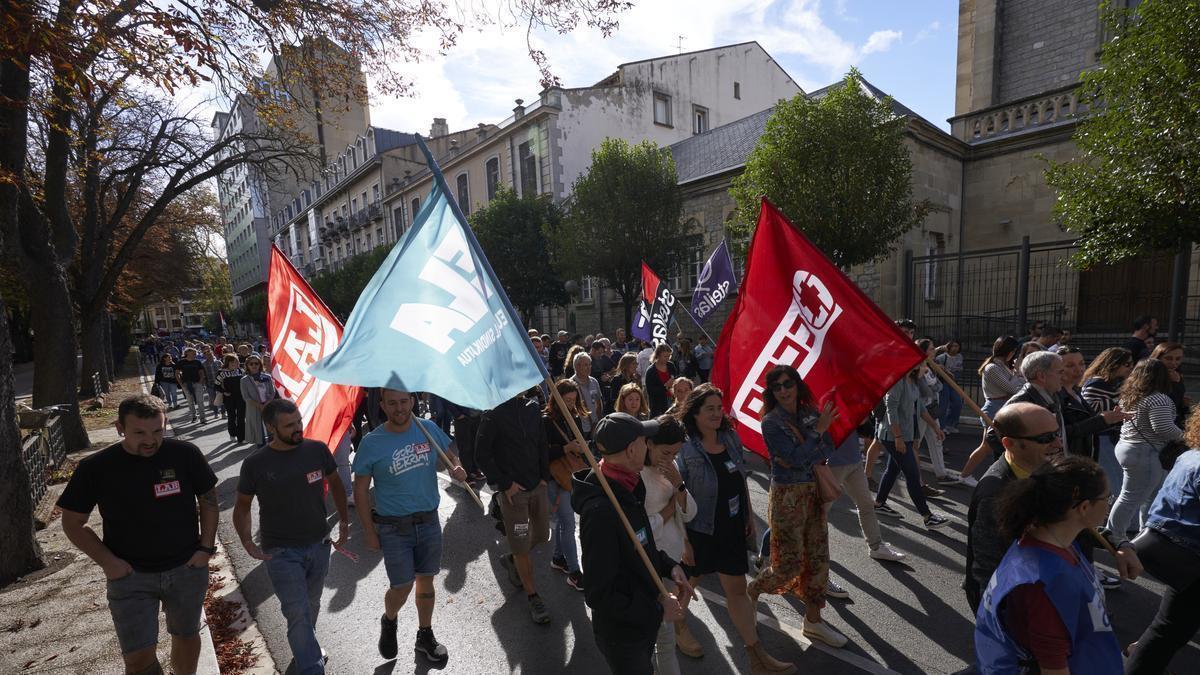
(641, 323)
(716, 282)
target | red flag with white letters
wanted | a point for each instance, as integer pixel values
(796, 307)
(302, 330)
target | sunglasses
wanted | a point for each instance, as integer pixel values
(782, 384)
(1043, 439)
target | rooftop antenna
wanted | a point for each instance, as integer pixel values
(680, 45)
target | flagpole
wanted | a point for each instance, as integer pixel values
(940, 372)
(445, 459)
(685, 310)
(591, 460)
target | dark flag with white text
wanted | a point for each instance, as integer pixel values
(661, 302)
(716, 282)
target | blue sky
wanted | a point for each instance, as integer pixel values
(908, 49)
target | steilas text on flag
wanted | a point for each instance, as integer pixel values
(661, 301)
(434, 317)
(302, 330)
(797, 308)
(715, 283)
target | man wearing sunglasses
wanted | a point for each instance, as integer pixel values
(1030, 435)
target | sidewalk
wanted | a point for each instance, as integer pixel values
(56, 620)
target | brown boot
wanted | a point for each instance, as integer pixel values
(761, 663)
(686, 642)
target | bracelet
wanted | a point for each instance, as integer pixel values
(211, 550)
(682, 487)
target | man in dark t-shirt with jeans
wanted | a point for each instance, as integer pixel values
(288, 475)
(192, 381)
(154, 550)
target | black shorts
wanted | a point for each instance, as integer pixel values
(721, 553)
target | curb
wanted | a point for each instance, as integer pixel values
(245, 625)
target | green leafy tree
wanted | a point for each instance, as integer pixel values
(340, 288)
(1135, 186)
(624, 210)
(512, 231)
(838, 168)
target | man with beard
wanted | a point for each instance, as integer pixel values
(398, 456)
(154, 551)
(288, 476)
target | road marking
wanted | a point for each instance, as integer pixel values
(797, 634)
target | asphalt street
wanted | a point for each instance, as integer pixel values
(908, 617)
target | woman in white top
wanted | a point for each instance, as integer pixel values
(999, 380)
(668, 505)
(1145, 393)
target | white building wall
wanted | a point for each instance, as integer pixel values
(626, 109)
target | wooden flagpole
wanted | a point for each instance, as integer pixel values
(587, 453)
(940, 372)
(442, 453)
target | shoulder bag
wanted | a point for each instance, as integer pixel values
(828, 488)
(562, 468)
(1168, 453)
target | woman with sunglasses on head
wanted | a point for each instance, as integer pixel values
(1145, 394)
(999, 380)
(1102, 390)
(1043, 607)
(797, 436)
(896, 431)
(713, 467)
(258, 389)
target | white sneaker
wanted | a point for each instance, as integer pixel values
(969, 481)
(886, 552)
(821, 631)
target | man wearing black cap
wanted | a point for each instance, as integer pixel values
(625, 602)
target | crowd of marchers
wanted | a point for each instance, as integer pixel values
(1083, 455)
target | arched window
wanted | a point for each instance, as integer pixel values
(492, 169)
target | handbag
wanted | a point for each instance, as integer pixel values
(1168, 453)
(828, 488)
(562, 468)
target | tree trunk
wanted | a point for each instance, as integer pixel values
(110, 357)
(21, 552)
(55, 365)
(91, 345)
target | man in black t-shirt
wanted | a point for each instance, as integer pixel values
(191, 379)
(154, 550)
(1144, 328)
(288, 475)
(558, 353)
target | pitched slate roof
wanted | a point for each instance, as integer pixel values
(718, 150)
(727, 147)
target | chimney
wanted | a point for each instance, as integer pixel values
(519, 111)
(453, 146)
(481, 131)
(439, 128)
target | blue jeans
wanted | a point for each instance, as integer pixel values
(194, 392)
(1142, 475)
(950, 406)
(1108, 461)
(906, 462)
(991, 407)
(298, 576)
(170, 390)
(562, 524)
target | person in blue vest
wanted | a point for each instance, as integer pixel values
(1044, 608)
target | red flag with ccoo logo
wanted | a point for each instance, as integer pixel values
(796, 307)
(302, 330)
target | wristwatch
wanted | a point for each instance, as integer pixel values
(682, 487)
(211, 550)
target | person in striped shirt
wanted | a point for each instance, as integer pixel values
(1102, 390)
(1145, 393)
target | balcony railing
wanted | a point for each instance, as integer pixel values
(1060, 105)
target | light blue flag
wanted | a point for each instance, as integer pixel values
(434, 318)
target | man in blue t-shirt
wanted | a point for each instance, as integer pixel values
(401, 457)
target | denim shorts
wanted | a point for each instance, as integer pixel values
(134, 600)
(410, 550)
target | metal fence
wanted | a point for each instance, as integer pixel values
(43, 451)
(977, 296)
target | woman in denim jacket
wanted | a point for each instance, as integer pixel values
(797, 437)
(896, 431)
(713, 468)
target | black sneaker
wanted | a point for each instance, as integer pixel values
(537, 610)
(885, 510)
(559, 563)
(387, 638)
(575, 580)
(430, 647)
(936, 520)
